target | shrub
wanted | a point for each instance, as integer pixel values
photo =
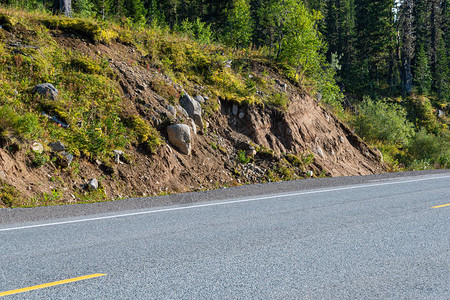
(382, 121)
(146, 134)
(429, 147)
(301, 161)
(8, 194)
(279, 100)
(85, 28)
(421, 113)
(242, 157)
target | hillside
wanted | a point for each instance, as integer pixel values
(121, 97)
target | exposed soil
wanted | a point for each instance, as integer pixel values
(304, 127)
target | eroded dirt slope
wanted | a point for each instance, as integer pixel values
(267, 136)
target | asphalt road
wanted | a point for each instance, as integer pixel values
(380, 238)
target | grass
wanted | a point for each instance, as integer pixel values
(89, 97)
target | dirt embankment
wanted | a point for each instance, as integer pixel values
(266, 135)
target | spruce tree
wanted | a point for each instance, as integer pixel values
(406, 40)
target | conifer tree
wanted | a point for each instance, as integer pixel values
(406, 41)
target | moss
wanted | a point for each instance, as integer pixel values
(146, 134)
(84, 28)
(301, 160)
(84, 65)
(9, 196)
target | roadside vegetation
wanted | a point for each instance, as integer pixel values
(233, 56)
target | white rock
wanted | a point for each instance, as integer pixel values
(93, 184)
(180, 136)
(37, 147)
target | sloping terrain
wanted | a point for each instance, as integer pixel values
(234, 142)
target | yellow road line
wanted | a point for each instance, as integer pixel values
(41, 286)
(439, 206)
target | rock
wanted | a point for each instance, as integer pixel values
(193, 108)
(241, 115)
(93, 184)
(117, 155)
(441, 114)
(172, 110)
(37, 147)
(64, 159)
(57, 146)
(193, 126)
(235, 109)
(319, 151)
(199, 99)
(182, 111)
(180, 136)
(198, 120)
(309, 173)
(341, 139)
(319, 96)
(251, 152)
(67, 159)
(46, 90)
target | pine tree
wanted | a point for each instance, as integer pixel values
(135, 10)
(340, 31)
(375, 42)
(406, 41)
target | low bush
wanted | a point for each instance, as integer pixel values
(382, 121)
(427, 147)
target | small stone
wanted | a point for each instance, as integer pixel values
(37, 147)
(200, 99)
(46, 90)
(319, 151)
(309, 173)
(69, 158)
(341, 138)
(57, 146)
(235, 109)
(241, 115)
(319, 96)
(193, 126)
(182, 111)
(172, 110)
(93, 184)
(118, 152)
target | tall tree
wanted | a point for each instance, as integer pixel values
(375, 42)
(239, 26)
(406, 44)
(63, 6)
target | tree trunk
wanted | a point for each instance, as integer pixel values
(62, 6)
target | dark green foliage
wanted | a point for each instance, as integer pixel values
(383, 121)
(243, 158)
(8, 195)
(434, 149)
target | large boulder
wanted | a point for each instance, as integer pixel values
(193, 108)
(47, 90)
(180, 136)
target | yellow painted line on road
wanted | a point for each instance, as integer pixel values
(439, 206)
(45, 285)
